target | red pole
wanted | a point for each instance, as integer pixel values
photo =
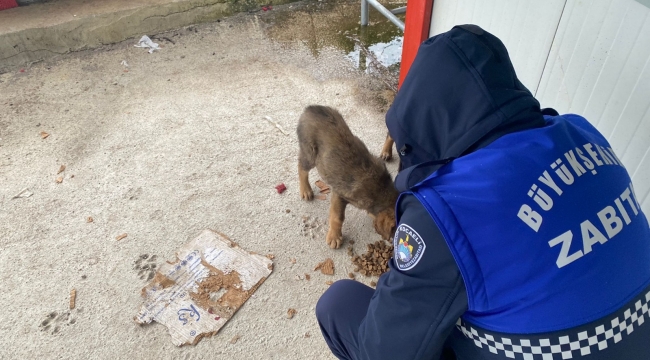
(416, 31)
(7, 4)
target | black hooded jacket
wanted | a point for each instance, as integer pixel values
(460, 94)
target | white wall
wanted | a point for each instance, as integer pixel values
(590, 57)
(526, 27)
(599, 67)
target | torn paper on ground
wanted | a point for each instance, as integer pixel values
(196, 295)
(145, 42)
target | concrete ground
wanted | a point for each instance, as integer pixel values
(43, 31)
(175, 143)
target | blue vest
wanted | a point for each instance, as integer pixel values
(544, 226)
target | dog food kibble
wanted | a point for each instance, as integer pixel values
(375, 261)
(291, 313)
(373, 284)
(307, 277)
(326, 267)
(329, 282)
(351, 275)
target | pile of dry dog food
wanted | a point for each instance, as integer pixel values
(375, 261)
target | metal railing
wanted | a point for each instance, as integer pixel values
(390, 14)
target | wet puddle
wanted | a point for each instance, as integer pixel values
(321, 24)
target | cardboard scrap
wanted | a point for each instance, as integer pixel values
(291, 313)
(44, 135)
(196, 295)
(73, 298)
(326, 267)
(321, 185)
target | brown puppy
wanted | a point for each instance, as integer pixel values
(345, 164)
(387, 149)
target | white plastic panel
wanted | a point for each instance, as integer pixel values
(526, 27)
(599, 67)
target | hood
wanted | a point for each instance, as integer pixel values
(460, 94)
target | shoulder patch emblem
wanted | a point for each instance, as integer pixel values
(408, 247)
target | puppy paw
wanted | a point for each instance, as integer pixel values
(306, 194)
(386, 155)
(334, 240)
